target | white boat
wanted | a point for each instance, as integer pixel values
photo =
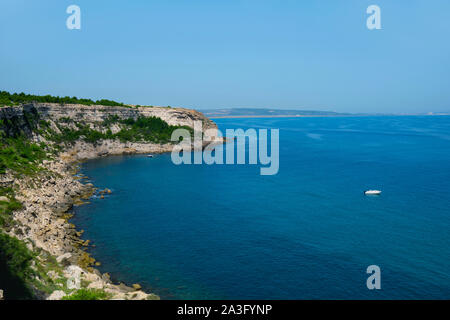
(150, 155)
(372, 192)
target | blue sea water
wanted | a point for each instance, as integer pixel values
(226, 232)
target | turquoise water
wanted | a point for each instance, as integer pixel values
(224, 231)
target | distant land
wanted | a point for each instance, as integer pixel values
(266, 113)
(262, 112)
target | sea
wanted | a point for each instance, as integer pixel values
(216, 231)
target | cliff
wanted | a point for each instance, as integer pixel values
(41, 146)
(97, 113)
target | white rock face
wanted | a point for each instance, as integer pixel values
(63, 257)
(73, 275)
(57, 295)
(96, 285)
(96, 114)
(52, 275)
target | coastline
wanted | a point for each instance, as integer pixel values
(325, 116)
(51, 230)
(42, 224)
(280, 116)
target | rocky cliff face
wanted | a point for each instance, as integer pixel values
(25, 118)
(93, 115)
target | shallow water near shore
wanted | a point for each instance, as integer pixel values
(226, 232)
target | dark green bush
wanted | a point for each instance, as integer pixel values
(16, 255)
(7, 207)
(150, 129)
(9, 99)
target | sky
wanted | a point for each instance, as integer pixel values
(206, 54)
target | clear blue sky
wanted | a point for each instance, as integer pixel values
(209, 54)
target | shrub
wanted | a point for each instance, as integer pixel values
(16, 255)
(20, 155)
(7, 207)
(151, 129)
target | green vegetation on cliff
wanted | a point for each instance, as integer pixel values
(20, 155)
(16, 255)
(8, 204)
(88, 294)
(24, 273)
(143, 129)
(147, 129)
(10, 99)
(15, 267)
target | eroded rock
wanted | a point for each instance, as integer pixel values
(57, 295)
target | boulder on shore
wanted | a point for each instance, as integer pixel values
(57, 295)
(137, 286)
(63, 257)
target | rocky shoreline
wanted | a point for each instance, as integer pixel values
(47, 199)
(44, 225)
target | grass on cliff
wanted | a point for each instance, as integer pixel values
(143, 129)
(88, 294)
(22, 273)
(8, 206)
(147, 129)
(20, 155)
(15, 267)
(69, 135)
(16, 255)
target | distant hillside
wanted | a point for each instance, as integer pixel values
(261, 112)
